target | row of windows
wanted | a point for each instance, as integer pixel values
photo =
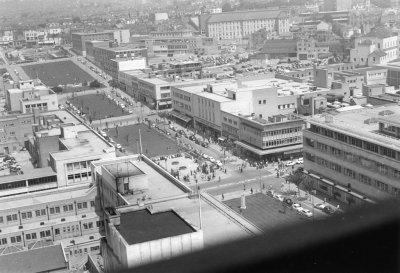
(357, 176)
(284, 141)
(42, 212)
(78, 177)
(286, 106)
(355, 142)
(359, 160)
(230, 121)
(78, 165)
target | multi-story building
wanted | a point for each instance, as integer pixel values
(6, 37)
(393, 73)
(354, 155)
(169, 46)
(79, 40)
(43, 37)
(56, 201)
(216, 109)
(240, 24)
(272, 138)
(14, 131)
(28, 97)
(113, 59)
(337, 5)
(144, 223)
(310, 50)
(379, 46)
(154, 91)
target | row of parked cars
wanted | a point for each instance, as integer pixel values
(289, 203)
(112, 141)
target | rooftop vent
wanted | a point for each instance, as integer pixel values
(62, 219)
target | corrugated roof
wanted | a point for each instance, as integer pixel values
(246, 15)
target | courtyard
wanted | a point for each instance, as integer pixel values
(57, 73)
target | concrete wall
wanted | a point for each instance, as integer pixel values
(152, 251)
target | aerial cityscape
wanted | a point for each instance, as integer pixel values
(150, 135)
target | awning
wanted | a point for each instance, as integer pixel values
(180, 116)
(162, 103)
(293, 152)
(269, 151)
(221, 138)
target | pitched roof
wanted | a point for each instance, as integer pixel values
(36, 260)
(380, 32)
(379, 53)
(246, 15)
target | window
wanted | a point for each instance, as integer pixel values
(69, 167)
(40, 212)
(1, 219)
(92, 203)
(79, 205)
(259, 102)
(3, 241)
(90, 225)
(12, 217)
(85, 226)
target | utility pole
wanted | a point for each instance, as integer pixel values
(140, 142)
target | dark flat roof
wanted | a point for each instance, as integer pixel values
(142, 226)
(36, 260)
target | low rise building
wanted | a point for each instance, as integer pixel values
(311, 50)
(28, 97)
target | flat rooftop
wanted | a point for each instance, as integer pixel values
(85, 143)
(356, 123)
(143, 226)
(126, 169)
(35, 198)
(64, 116)
(33, 173)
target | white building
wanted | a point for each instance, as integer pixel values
(310, 50)
(380, 46)
(28, 97)
(7, 37)
(240, 24)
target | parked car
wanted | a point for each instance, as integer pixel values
(278, 197)
(305, 212)
(204, 144)
(296, 206)
(320, 206)
(218, 163)
(300, 161)
(270, 193)
(212, 159)
(205, 156)
(328, 210)
(288, 202)
(118, 146)
(290, 163)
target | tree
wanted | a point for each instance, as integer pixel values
(308, 184)
(85, 83)
(226, 7)
(57, 89)
(95, 84)
(296, 178)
